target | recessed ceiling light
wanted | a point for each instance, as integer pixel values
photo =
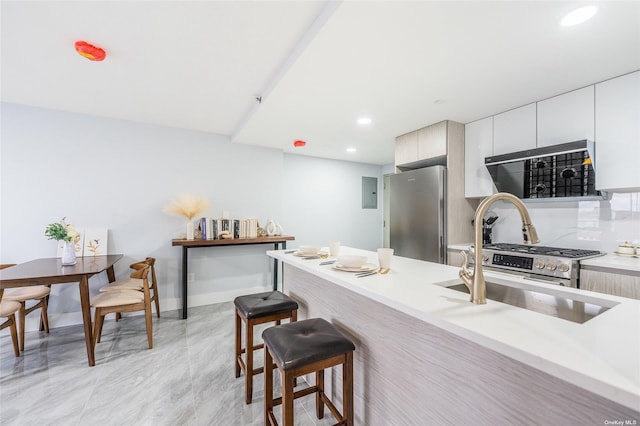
(351, 150)
(363, 121)
(578, 16)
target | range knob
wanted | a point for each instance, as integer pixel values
(485, 258)
(552, 266)
(539, 264)
(563, 267)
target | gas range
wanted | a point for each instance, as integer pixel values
(548, 264)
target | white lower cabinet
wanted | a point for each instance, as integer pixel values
(610, 283)
(618, 133)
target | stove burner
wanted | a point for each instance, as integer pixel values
(541, 250)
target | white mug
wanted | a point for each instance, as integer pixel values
(334, 248)
(385, 255)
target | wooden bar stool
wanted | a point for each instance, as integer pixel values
(256, 309)
(301, 348)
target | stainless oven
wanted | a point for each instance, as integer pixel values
(551, 265)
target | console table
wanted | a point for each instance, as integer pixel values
(188, 244)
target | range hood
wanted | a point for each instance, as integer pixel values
(564, 172)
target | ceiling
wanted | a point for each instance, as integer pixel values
(315, 66)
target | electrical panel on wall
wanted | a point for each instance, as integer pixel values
(369, 192)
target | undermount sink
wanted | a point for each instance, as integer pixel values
(568, 307)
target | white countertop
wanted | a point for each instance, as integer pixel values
(613, 263)
(602, 355)
(459, 246)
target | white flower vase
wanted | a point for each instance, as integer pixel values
(190, 233)
(68, 254)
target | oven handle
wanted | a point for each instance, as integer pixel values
(562, 283)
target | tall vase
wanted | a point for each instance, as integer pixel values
(190, 233)
(68, 254)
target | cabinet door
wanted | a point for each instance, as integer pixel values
(608, 283)
(514, 130)
(406, 148)
(478, 144)
(618, 133)
(566, 118)
(432, 141)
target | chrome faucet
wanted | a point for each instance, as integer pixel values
(475, 282)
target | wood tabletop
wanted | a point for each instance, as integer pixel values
(231, 241)
(50, 271)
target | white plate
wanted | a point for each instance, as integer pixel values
(301, 254)
(625, 254)
(367, 267)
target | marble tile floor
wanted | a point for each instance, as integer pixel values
(186, 379)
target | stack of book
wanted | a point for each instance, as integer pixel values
(213, 229)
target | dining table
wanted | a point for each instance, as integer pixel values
(47, 271)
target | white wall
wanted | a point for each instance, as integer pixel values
(595, 225)
(323, 202)
(103, 173)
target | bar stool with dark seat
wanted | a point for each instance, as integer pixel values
(254, 309)
(301, 348)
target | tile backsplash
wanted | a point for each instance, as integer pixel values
(596, 225)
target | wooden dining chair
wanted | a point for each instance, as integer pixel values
(136, 284)
(118, 301)
(22, 295)
(8, 309)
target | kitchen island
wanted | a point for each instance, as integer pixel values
(426, 355)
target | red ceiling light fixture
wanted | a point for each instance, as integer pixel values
(299, 143)
(90, 51)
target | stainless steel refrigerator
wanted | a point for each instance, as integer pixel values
(417, 216)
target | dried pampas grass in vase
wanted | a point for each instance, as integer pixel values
(189, 207)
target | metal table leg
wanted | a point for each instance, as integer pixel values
(276, 245)
(184, 281)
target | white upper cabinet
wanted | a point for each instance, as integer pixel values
(618, 133)
(478, 144)
(566, 118)
(406, 148)
(514, 130)
(432, 141)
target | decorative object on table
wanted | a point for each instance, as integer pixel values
(95, 242)
(187, 206)
(67, 236)
(272, 228)
(261, 231)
